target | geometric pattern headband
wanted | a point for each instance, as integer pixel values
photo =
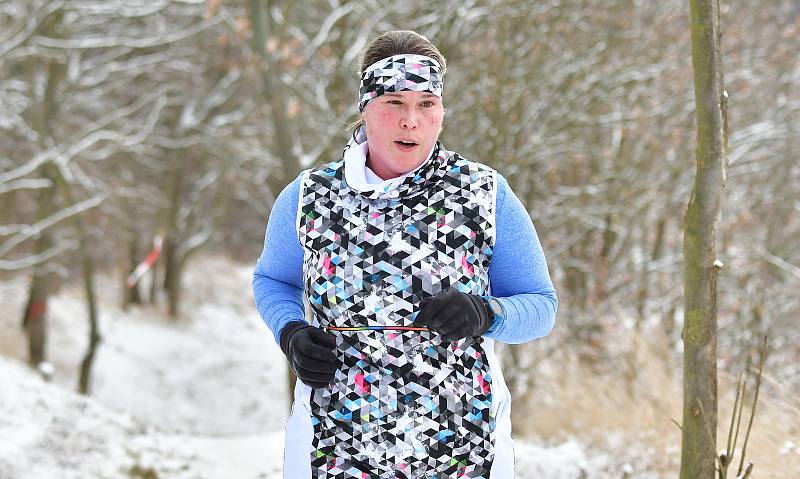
(400, 73)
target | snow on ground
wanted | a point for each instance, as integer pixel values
(199, 397)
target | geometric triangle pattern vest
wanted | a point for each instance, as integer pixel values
(404, 403)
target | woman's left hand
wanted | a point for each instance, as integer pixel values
(454, 315)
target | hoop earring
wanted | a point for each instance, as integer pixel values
(360, 135)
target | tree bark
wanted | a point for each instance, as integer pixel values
(87, 268)
(272, 92)
(42, 116)
(698, 453)
(171, 276)
(172, 236)
(176, 287)
(34, 320)
(87, 271)
(154, 283)
(131, 295)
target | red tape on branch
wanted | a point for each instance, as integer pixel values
(145, 265)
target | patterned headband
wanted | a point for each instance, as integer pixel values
(400, 73)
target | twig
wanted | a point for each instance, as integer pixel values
(676, 423)
(741, 406)
(753, 410)
(727, 456)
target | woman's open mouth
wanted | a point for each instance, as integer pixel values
(405, 145)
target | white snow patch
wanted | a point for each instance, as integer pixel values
(565, 461)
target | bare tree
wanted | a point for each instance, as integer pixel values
(698, 452)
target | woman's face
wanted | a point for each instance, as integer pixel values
(402, 128)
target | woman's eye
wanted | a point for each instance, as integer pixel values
(394, 102)
(427, 103)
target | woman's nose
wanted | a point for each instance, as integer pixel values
(409, 120)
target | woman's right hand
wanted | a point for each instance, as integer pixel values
(311, 353)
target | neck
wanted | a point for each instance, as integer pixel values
(384, 175)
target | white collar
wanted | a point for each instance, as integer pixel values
(361, 178)
(371, 177)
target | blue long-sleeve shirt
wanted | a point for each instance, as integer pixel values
(518, 271)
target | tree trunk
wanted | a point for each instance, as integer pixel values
(698, 453)
(87, 267)
(174, 291)
(644, 289)
(154, 282)
(272, 92)
(87, 271)
(171, 274)
(131, 295)
(34, 320)
(172, 236)
(42, 117)
(601, 265)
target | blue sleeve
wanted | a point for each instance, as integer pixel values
(518, 274)
(278, 276)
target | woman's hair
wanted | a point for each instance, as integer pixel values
(392, 43)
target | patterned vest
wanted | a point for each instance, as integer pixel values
(404, 404)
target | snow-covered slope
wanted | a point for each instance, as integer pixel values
(200, 397)
(50, 432)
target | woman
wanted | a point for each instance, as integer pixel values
(414, 261)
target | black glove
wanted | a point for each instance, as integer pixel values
(311, 353)
(454, 315)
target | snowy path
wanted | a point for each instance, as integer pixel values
(203, 397)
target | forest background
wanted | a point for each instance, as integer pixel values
(122, 121)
